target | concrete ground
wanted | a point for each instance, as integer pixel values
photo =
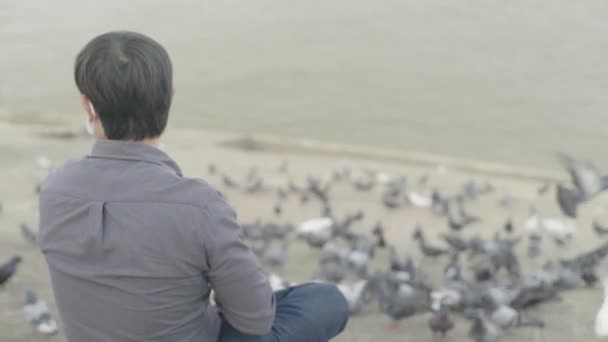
(24, 138)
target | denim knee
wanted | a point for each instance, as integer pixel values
(334, 303)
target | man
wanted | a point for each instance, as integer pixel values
(134, 247)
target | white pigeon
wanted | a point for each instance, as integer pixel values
(601, 319)
(419, 200)
(37, 313)
(317, 226)
(533, 222)
(383, 178)
(277, 283)
(448, 297)
(44, 162)
(353, 294)
(557, 228)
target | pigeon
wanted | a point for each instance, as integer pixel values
(586, 261)
(534, 294)
(252, 174)
(37, 313)
(465, 219)
(601, 318)
(391, 201)
(28, 234)
(599, 229)
(590, 277)
(358, 261)
(364, 185)
(534, 245)
(543, 188)
(507, 318)
(397, 262)
(284, 167)
(569, 199)
(378, 232)
(585, 176)
(333, 271)
(455, 241)
(440, 205)
(356, 295)
(339, 175)
(509, 226)
(256, 185)
(440, 323)
(453, 271)
(259, 246)
(533, 221)
(542, 277)
(427, 250)
(418, 200)
(424, 179)
(320, 225)
(228, 182)
(484, 330)
(383, 178)
(561, 232)
(304, 198)
(483, 269)
(587, 183)
(8, 269)
(277, 209)
(506, 200)
(282, 193)
(44, 162)
(469, 190)
(403, 302)
(278, 258)
(277, 283)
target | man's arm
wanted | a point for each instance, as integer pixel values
(242, 291)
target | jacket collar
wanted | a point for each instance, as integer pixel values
(135, 151)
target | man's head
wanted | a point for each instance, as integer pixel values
(126, 82)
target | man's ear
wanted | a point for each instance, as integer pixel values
(88, 107)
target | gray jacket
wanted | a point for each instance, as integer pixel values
(134, 249)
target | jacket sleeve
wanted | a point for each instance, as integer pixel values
(242, 291)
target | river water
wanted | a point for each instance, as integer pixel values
(506, 81)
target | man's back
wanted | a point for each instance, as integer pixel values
(134, 247)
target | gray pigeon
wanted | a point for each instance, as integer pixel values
(277, 258)
(507, 318)
(333, 271)
(484, 330)
(587, 183)
(599, 229)
(404, 301)
(228, 182)
(8, 269)
(455, 241)
(426, 249)
(534, 245)
(37, 313)
(28, 233)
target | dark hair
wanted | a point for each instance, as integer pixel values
(128, 78)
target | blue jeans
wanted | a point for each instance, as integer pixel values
(311, 312)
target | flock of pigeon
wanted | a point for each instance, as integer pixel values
(483, 280)
(35, 310)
